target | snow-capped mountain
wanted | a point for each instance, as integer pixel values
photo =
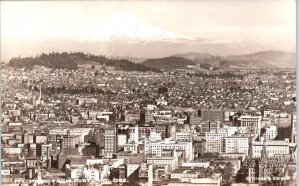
(125, 27)
(126, 35)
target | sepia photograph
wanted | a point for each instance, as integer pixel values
(148, 93)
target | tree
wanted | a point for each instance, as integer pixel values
(162, 90)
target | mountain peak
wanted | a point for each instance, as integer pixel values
(127, 27)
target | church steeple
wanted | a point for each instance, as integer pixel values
(263, 155)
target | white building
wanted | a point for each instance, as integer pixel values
(74, 172)
(187, 177)
(271, 132)
(122, 139)
(266, 113)
(253, 123)
(170, 162)
(131, 147)
(154, 136)
(237, 144)
(134, 134)
(81, 132)
(215, 142)
(203, 164)
(183, 136)
(91, 174)
(156, 148)
(272, 147)
(234, 130)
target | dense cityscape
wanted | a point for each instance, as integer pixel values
(148, 93)
(101, 126)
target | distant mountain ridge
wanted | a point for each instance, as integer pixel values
(279, 59)
(263, 59)
(258, 60)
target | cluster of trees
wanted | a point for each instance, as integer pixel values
(162, 90)
(71, 60)
(168, 63)
(52, 60)
(123, 64)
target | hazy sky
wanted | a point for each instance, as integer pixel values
(269, 22)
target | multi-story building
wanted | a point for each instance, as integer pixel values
(155, 148)
(207, 126)
(237, 144)
(195, 120)
(92, 174)
(183, 136)
(146, 172)
(212, 115)
(253, 123)
(170, 162)
(110, 141)
(272, 147)
(282, 120)
(266, 113)
(70, 141)
(133, 134)
(70, 131)
(144, 131)
(199, 146)
(122, 139)
(271, 133)
(131, 147)
(44, 150)
(215, 142)
(27, 138)
(90, 150)
(146, 117)
(284, 132)
(40, 138)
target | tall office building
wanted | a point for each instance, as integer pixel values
(215, 142)
(253, 123)
(212, 115)
(237, 144)
(110, 141)
(146, 117)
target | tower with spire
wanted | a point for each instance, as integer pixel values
(250, 153)
(263, 162)
(263, 155)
